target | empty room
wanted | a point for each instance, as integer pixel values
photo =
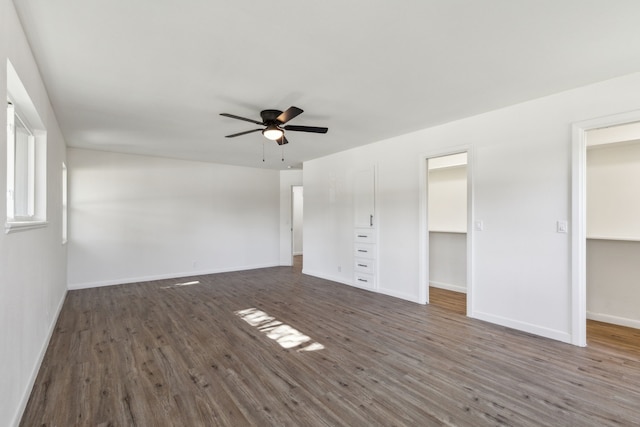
(319, 214)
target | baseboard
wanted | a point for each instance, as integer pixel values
(448, 286)
(326, 277)
(124, 281)
(36, 369)
(297, 253)
(401, 295)
(616, 320)
(553, 334)
(342, 281)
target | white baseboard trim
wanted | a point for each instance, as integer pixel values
(327, 277)
(448, 286)
(616, 320)
(297, 253)
(401, 295)
(34, 372)
(128, 280)
(553, 334)
(383, 291)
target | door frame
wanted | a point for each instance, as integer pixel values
(423, 227)
(579, 217)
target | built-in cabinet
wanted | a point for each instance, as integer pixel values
(365, 230)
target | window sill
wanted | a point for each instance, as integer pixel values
(13, 226)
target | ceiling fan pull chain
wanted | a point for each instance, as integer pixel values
(263, 150)
(282, 146)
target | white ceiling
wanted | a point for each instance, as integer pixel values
(151, 76)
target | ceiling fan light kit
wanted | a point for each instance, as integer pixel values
(273, 132)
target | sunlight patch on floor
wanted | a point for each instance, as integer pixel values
(283, 334)
(195, 282)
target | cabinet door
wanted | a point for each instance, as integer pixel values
(364, 198)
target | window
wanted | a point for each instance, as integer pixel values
(26, 159)
(21, 171)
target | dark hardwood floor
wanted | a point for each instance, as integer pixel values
(598, 333)
(175, 353)
(450, 300)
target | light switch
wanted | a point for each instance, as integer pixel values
(562, 227)
(478, 225)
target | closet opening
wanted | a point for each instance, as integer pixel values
(447, 242)
(612, 243)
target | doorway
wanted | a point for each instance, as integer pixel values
(613, 228)
(297, 216)
(445, 238)
(447, 228)
(598, 226)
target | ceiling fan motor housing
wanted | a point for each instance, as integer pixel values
(270, 117)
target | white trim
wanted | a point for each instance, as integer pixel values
(36, 368)
(396, 294)
(129, 280)
(448, 286)
(13, 226)
(376, 290)
(423, 225)
(525, 327)
(330, 278)
(615, 239)
(448, 231)
(579, 218)
(616, 320)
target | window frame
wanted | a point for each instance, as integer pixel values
(24, 123)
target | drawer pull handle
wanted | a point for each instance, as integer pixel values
(362, 265)
(363, 250)
(362, 280)
(363, 235)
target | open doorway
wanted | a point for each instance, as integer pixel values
(613, 233)
(447, 219)
(297, 215)
(605, 232)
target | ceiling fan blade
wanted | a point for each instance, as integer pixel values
(289, 114)
(241, 118)
(306, 129)
(242, 133)
(282, 140)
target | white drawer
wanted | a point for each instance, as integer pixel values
(364, 265)
(363, 280)
(363, 250)
(365, 236)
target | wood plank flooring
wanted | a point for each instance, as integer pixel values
(450, 300)
(165, 353)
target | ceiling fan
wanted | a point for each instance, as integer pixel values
(273, 120)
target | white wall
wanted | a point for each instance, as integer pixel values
(521, 174)
(448, 199)
(613, 232)
(137, 218)
(32, 262)
(448, 261)
(288, 179)
(298, 215)
(613, 288)
(613, 191)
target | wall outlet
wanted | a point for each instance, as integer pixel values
(478, 225)
(339, 269)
